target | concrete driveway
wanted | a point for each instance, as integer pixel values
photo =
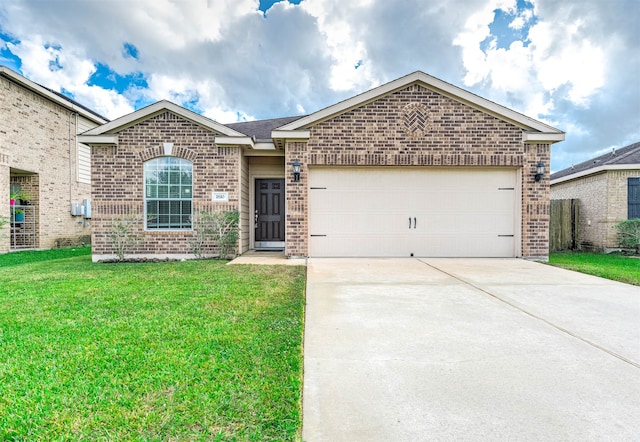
(468, 349)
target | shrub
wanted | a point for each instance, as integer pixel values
(217, 229)
(122, 234)
(629, 233)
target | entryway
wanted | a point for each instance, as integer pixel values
(23, 203)
(269, 214)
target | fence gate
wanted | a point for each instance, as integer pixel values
(563, 226)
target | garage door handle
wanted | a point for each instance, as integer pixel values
(414, 223)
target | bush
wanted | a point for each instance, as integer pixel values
(219, 229)
(629, 233)
(123, 234)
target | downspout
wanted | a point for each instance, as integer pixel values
(71, 157)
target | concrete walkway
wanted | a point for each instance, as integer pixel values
(267, 258)
(468, 349)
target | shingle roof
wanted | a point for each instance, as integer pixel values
(261, 129)
(626, 155)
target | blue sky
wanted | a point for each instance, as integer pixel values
(573, 64)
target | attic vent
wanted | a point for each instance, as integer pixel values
(415, 118)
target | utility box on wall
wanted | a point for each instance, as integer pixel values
(81, 209)
(77, 209)
(86, 204)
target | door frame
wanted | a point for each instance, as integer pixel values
(252, 208)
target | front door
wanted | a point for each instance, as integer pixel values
(269, 214)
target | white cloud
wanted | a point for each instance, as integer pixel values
(576, 65)
(346, 48)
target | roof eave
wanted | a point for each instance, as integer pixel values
(542, 137)
(595, 170)
(35, 87)
(98, 140)
(235, 141)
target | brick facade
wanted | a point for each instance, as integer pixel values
(603, 203)
(38, 151)
(118, 188)
(416, 126)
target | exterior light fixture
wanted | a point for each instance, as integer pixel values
(296, 171)
(539, 171)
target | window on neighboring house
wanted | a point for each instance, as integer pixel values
(634, 197)
(168, 194)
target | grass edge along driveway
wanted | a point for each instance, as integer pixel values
(611, 266)
(192, 350)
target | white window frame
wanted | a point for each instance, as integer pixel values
(171, 192)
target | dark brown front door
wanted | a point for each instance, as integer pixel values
(269, 213)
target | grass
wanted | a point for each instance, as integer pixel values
(190, 350)
(611, 266)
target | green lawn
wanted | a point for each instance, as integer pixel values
(190, 350)
(610, 266)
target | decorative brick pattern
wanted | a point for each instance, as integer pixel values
(415, 119)
(37, 136)
(118, 180)
(454, 134)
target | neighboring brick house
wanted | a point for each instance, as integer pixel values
(608, 188)
(41, 158)
(416, 167)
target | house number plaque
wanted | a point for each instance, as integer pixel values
(220, 197)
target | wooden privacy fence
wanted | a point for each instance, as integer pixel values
(563, 226)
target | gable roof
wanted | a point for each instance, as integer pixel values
(535, 131)
(155, 109)
(626, 158)
(52, 95)
(261, 129)
(107, 133)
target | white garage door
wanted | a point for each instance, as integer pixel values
(435, 212)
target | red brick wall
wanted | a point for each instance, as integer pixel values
(418, 127)
(118, 188)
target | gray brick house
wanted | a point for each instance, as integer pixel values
(41, 159)
(415, 167)
(608, 188)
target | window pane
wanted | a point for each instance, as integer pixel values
(168, 193)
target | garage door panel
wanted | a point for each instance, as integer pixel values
(419, 211)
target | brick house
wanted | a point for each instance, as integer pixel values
(415, 167)
(41, 159)
(608, 190)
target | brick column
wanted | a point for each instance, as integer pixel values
(297, 217)
(535, 203)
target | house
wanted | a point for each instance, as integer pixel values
(415, 167)
(42, 161)
(608, 190)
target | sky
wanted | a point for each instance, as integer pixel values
(573, 64)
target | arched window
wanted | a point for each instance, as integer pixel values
(168, 193)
